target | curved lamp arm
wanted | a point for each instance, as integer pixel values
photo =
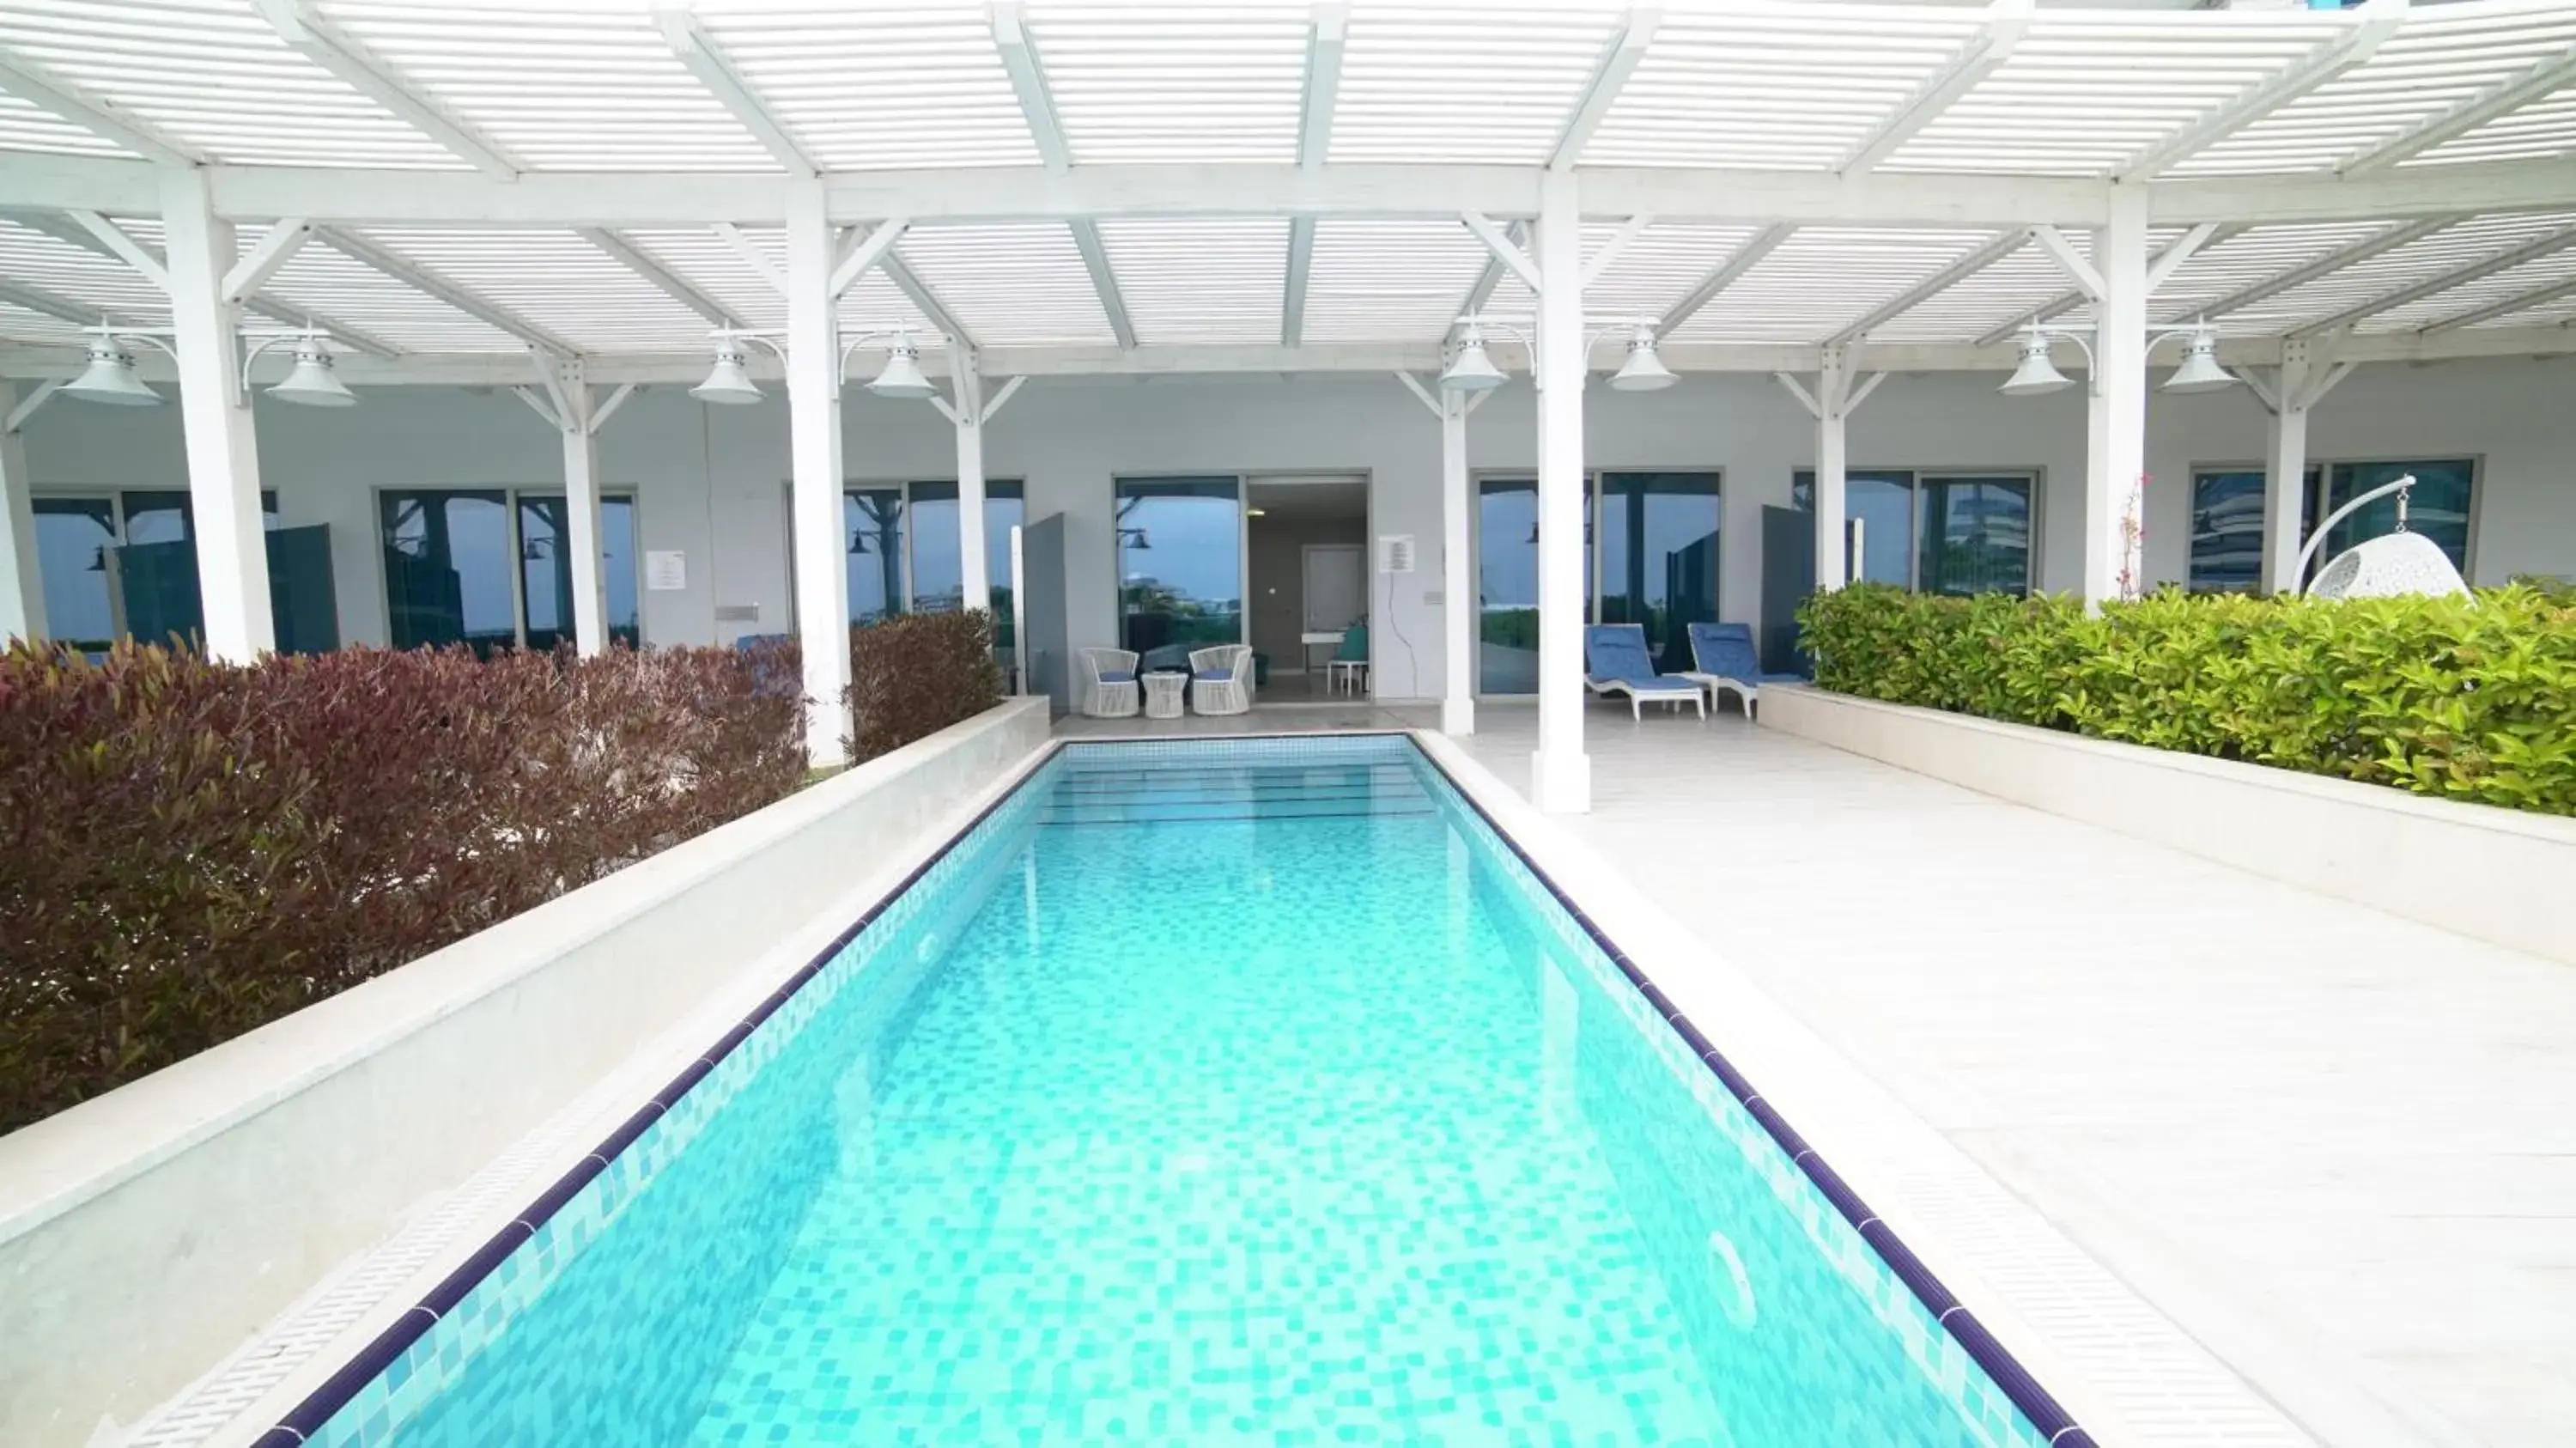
(2317, 539)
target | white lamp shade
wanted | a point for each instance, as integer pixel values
(311, 382)
(2199, 371)
(1643, 371)
(2388, 566)
(2036, 374)
(727, 382)
(110, 378)
(902, 376)
(1471, 370)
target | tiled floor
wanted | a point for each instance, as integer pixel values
(2334, 1145)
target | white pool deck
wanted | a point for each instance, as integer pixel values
(2338, 1148)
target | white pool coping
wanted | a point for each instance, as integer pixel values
(2126, 1373)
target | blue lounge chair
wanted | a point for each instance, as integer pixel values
(1723, 657)
(1615, 661)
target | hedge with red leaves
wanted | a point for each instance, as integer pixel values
(189, 850)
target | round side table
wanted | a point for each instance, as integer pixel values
(1163, 694)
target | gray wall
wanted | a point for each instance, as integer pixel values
(710, 481)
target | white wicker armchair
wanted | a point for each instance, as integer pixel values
(1221, 679)
(1109, 688)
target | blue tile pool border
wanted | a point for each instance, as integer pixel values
(318, 1407)
(2044, 1411)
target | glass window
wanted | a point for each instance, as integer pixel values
(2437, 506)
(873, 520)
(1507, 585)
(1973, 535)
(72, 539)
(2226, 531)
(1659, 555)
(1883, 504)
(448, 569)
(1939, 533)
(1180, 563)
(938, 579)
(545, 564)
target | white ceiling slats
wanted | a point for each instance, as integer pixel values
(1793, 88)
(212, 76)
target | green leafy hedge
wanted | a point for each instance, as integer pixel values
(190, 850)
(2465, 699)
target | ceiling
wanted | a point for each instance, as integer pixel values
(1151, 185)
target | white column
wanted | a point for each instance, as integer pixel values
(581, 510)
(814, 457)
(1833, 384)
(1561, 774)
(2285, 471)
(223, 449)
(970, 477)
(2117, 439)
(1457, 572)
(22, 588)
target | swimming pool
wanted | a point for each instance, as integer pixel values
(1240, 1091)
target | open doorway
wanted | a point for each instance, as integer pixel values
(1308, 551)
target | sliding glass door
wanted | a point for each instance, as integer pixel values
(545, 562)
(493, 570)
(1650, 557)
(1955, 533)
(1180, 565)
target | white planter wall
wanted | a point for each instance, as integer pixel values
(2493, 874)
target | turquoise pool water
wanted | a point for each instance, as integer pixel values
(1243, 1092)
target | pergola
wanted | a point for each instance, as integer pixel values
(568, 195)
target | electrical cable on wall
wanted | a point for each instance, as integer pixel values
(1392, 549)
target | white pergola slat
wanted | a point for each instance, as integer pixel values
(1134, 183)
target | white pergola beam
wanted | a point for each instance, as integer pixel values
(1482, 291)
(2327, 265)
(706, 60)
(2068, 301)
(34, 299)
(2088, 281)
(923, 299)
(2006, 22)
(1028, 82)
(1113, 302)
(1292, 296)
(1761, 244)
(114, 241)
(2181, 249)
(1932, 286)
(1502, 247)
(381, 196)
(1324, 43)
(1627, 45)
(875, 247)
(1324, 46)
(663, 279)
(2541, 80)
(2434, 286)
(31, 83)
(276, 247)
(2522, 301)
(303, 28)
(2369, 27)
(64, 228)
(1599, 263)
(421, 279)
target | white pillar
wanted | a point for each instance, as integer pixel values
(2117, 422)
(971, 568)
(223, 449)
(814, 457)
(1459, 616)
(581, 510)
(1561, 774)
(2285, 471)
(22, 587)
(1833, 384)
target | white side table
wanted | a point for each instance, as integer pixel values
(1163, 693)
